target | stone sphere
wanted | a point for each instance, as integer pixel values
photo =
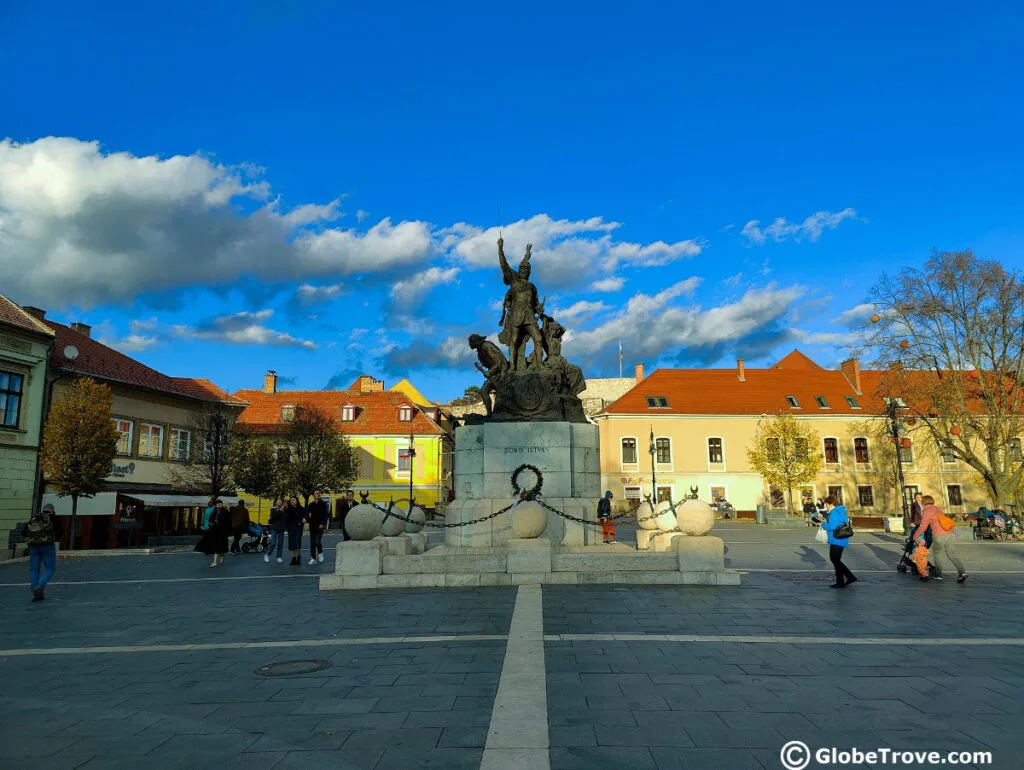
(695, 517)
(419, 518)
(529, 519)
(393, 526)
(644, 518)
(363, 522)
(666, 518)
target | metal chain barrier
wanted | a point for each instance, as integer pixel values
(388, 512)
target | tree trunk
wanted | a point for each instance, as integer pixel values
(789, 497)
(74, 522)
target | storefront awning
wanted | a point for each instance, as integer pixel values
(179, 501)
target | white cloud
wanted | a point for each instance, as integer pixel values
(653, 325)
(577, 312)
(837, 339)
(308, 294)
(409, 292)
(242, 329)
(361, 215)
(856, 315)
(733, 280)
(82, 226)
(782, 229)
(610, 284)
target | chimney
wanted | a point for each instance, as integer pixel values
(851, 370)
(639, 372)
(39, 315)
(741, 370)
(270, 381)
(84, 329)
(369, 385)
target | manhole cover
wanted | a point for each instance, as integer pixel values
(293, 667)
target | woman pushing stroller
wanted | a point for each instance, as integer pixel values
(941, 528)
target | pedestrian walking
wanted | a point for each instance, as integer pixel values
(916, 508)
(294, 518)
(277, 530)
(39, 535)
(345, 505)
(208, 513)
(838, 523)
(239, 525)
(316, 515)
(215, 542)
(941, 527)
(604, 515)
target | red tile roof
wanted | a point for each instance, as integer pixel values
(762, 391)
(96, 360)
(12, 314)
(376, 413)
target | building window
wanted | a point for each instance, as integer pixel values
(10, 398)
(776, 498)
(404, 463)
(287, 413)
(657, 402)
(629, 451)
(1013, 450)
(718, 495)
(348, 413)
(124, 440)
(948, 455)
(906, 452)
(151, 440)
(800, 448)
(822, 402)
(955, 495)
(791, 400)
(715, 450)
(860, 451)
(866, 497)
(663, 450)
(837, 493)
(181, 444)
(832, 451)
(405, 413)
(664, 494)
(852, 402)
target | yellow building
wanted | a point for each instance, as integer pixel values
(703, 420)
(381, 426)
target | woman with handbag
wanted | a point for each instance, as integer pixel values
(839, 533)
(941, 526)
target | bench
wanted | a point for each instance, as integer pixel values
(16, 537)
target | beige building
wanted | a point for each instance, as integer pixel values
(153, 413)
(24, 349)
(700, 423)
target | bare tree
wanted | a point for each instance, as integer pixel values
(951, 338)
(316, 454)
(207, 468)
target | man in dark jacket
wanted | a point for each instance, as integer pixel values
(317, 515)
(39, 535)
(346, 504)
(239, 524)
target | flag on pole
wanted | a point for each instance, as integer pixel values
(620, 359)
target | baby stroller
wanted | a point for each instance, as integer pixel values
(906, 563)
(259, 538)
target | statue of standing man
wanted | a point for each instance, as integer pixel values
(520, 311)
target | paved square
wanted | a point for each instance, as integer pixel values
(151, 662)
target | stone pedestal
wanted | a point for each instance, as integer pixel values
(700, 554)
(356, 557)
(417, 541)
(487, 454)
(400, 545)
(529, 556)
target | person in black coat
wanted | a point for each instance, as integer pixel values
(294, 517)
(316, 515)
(215, 542)
(346, 504)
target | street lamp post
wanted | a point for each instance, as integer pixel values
(412, 454)
(654, 483)
(894, 427)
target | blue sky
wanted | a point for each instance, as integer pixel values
(312, 187)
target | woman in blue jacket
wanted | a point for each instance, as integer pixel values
(836, 545)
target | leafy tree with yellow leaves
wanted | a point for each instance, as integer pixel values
(784, 453)
(79, 443)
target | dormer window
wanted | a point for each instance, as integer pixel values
(657, 402)
(405, 413)
(820, 401)
(791, 400)
(287, 413)
(348, 413)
